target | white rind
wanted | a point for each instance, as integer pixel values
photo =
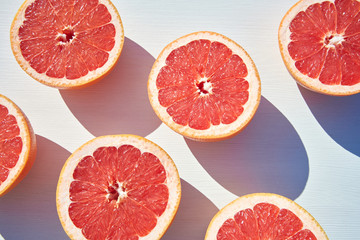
(284, 40)
(218, 131)
(63, 82)
(66, 177)
(25, 132)
(249, 201)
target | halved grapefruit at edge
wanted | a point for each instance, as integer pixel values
(320, 45)
(263, 216)
(17, 145)
(67, 43)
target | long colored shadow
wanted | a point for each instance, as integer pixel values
(338, 116)
(193, 217)
(267, 156)
(119, 102)
(29, 210)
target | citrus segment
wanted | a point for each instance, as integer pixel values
(67, 44)
(318, 42)
(204, 86)
(246, 221)
(266, 218)
(118, 187)
(303, 234)
(263, 216)
(17, 145)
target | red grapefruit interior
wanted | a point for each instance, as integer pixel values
(10, 143)
(204, 86)
(67, 43)
(17, 145)
(320, 44)
(264, 216)
(127, 190)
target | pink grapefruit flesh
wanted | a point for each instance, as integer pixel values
(46, 49)
(17, 145)
(204, 86)
(67, 43)
(264, 216)
(10, 143)
(201, 103)
(326, 38)
(264, 221)
(110, 182)
(320, 43)
(118, 187)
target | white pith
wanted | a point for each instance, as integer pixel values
(249, 201)
(63, 82)
(284, 40)
(207, 86)
(66, 177)
(24, 134)
(215, 131)
(335, 40)
(63, 37)
(122, 194)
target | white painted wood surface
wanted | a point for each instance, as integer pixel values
(302, 145)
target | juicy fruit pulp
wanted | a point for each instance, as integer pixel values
(10, 143)
(265, 221)
(203, 84)
(118, 193)
(66, 38)
(325, 42)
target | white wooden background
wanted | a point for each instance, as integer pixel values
(300, 144)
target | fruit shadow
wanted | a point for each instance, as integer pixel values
(193, 216)
(118, 103)
(267, 156)
(338, 116)
(29, 210)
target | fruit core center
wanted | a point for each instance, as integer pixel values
(333, 40)
(116, 192)
(66, 36)
(204, 86)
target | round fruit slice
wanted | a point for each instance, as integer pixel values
(67, 43)
(17, 145)
(204, 86)
(263, 216)
(320, 44)
(118, 187)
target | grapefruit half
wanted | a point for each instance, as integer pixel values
(263, 216)
(204, 86)
(320, 45)
(67, 43)
(118, 187)
(17, 145)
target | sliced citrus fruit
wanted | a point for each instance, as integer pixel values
(67, 43)
(320, 44)
(204, 86)
(17, 145)
(118, 187)
(263, 216)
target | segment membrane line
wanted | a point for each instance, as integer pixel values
(56, 13)
(85, 15)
